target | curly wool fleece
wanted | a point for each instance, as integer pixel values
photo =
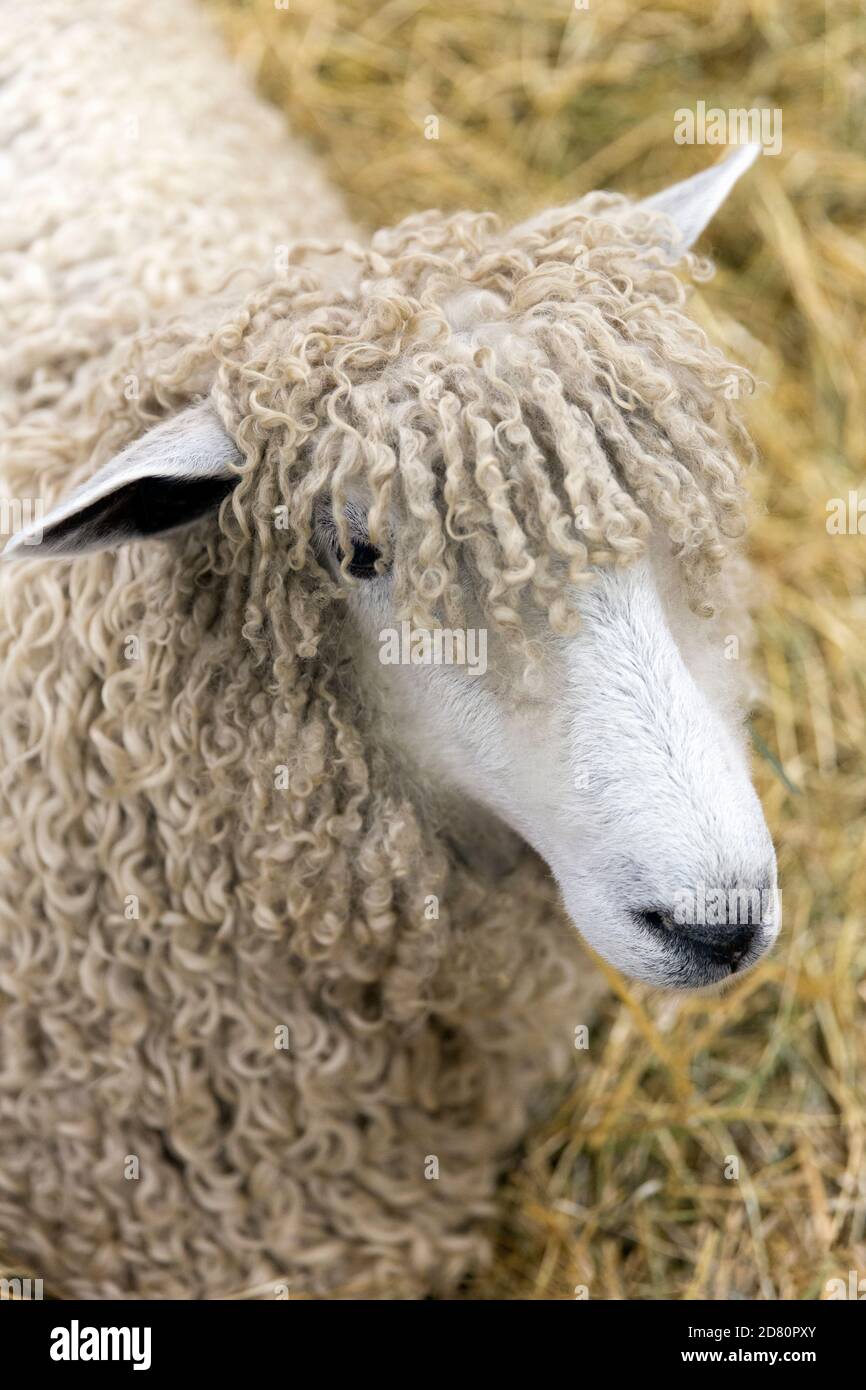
(170, 917)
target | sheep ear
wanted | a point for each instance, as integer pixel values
(692, 204)
(173, 475)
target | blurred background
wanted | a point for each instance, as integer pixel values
(712, 1147)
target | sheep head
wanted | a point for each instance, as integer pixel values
(516, 446)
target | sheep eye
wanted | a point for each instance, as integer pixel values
(363, 562)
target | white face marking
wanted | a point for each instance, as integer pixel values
(626, 771)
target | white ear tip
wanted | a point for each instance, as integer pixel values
(744, 157)
(690, 205)
(15, 544)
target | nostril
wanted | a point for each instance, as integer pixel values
(738, 943)
(722, 945)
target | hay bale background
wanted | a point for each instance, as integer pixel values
(625, 1191)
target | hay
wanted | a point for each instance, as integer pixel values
(625, 1192)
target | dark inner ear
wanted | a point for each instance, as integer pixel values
(146, 507)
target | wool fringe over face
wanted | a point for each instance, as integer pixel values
(530, 404)
(238, 984)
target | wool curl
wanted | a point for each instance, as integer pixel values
(210, 843)
(532, 405)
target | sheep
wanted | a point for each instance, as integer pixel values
(289, 925)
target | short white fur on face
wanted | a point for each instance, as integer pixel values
(625, 770)
(667, 809)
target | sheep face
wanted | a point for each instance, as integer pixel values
(619, 757)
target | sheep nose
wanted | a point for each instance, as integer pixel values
(727, 947)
